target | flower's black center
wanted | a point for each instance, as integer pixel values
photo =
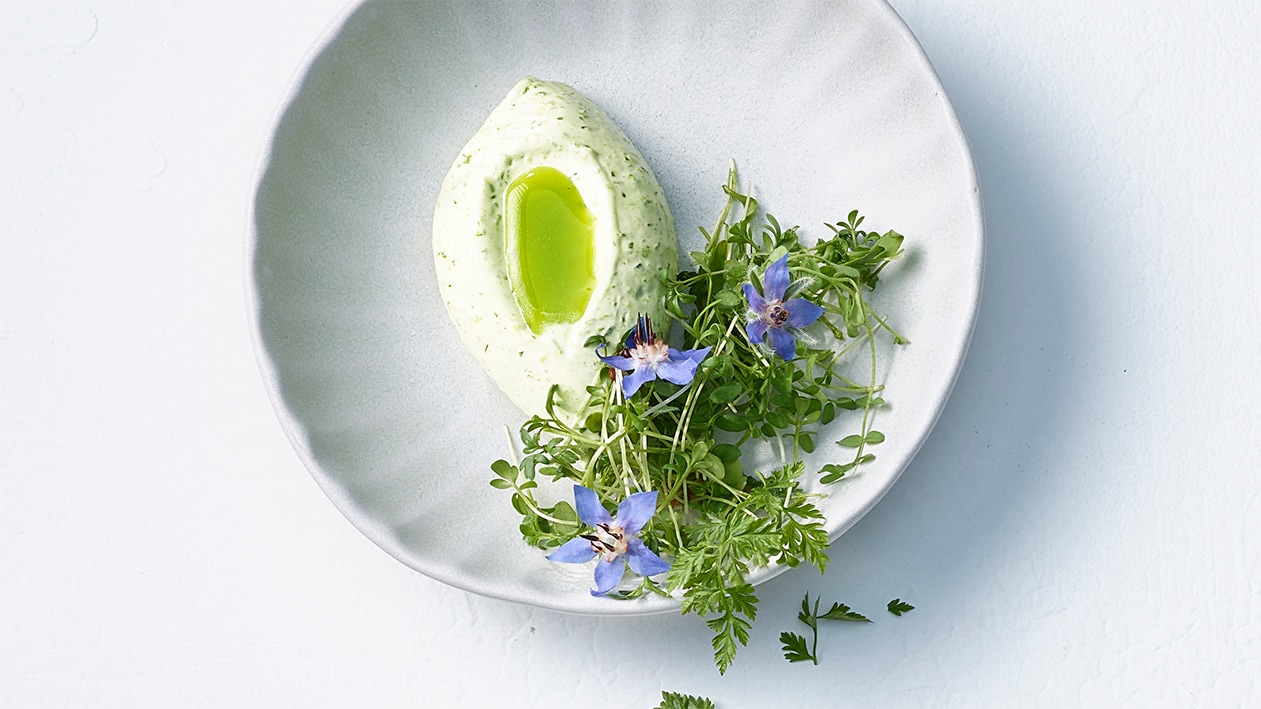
(778, 315)
(643, 331)
(607, 541)
(646, 345)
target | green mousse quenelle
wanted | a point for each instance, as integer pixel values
(549, 239)
(550, 229)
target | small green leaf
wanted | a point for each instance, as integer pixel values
(730, 299)
(890, 244)
(853, 441)
(806, 615)
(795, 649)
(592, 422)
(757, 282)
(782, 379)
(840, 611)
(874, 437)
(565, 511)
(504, 469)
(784, 401)
(898, 607)
(833, 472)
(726, 452)
(712, 468)
(726, 393)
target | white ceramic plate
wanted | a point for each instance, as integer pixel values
(825, 106)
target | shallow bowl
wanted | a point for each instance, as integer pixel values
(825, 107)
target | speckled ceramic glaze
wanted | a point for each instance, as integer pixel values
(824, 106)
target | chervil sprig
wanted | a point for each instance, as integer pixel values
(794, 645)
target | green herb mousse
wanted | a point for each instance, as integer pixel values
(549, 228)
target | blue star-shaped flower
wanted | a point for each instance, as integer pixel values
(648, 357)
(773, 318)
(613, 539)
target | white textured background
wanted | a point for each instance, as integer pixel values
(1081, 529)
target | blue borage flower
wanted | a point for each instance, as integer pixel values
(773, 318)
(613, 539)
(647, 356)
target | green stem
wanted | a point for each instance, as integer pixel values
(533, 505)
(814, 645)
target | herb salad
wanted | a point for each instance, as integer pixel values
(777, 339)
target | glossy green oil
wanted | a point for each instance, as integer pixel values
(549, 241)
